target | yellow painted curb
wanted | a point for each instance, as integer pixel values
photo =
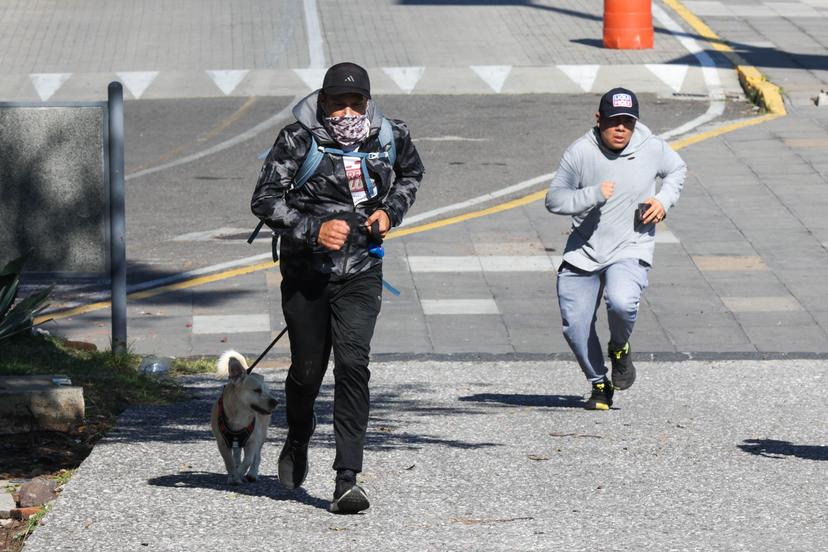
(757, 87)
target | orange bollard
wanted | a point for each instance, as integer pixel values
(628, 24)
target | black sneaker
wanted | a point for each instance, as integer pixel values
(293, 461)
(601, 398)
(623, 370)
(349, 498)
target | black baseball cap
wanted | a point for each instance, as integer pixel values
(346, 78)
(618, 101)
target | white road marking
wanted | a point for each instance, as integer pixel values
(477, 200)
(582, 75)
(485, 263)
(312, 77)
(493, 75)
(313, 30)
(208, 235)
(709, 72)
(449, 138)
(665, 236)
(784, 303)
(317, 60)
(137, 81)
(671, 75)
(227, 80)
(459, 306)
(405, 77)
(46, 84)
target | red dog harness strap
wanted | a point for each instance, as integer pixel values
(233, 438)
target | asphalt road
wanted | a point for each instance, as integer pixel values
(470, 145)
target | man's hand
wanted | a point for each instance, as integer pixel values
(333, 234)
(607, 188)
(655, 211)
(384, 221)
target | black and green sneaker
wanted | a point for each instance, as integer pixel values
(349, 498)
(623, 370)
(601, 398)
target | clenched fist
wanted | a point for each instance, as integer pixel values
(607, 188)
(333, 234)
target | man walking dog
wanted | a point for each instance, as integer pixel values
(606, 182)
(334, 183)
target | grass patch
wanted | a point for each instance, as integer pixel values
(111, 382)
(32, 523)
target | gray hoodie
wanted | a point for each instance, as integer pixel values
(603, 231)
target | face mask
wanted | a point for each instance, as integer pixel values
(348, 131)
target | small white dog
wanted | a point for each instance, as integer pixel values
(240, 418)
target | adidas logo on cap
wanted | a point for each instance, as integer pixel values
(349, 78)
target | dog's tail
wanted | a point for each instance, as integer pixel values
(230, 361)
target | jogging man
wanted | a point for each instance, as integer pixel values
(330, 225)
(607, 183)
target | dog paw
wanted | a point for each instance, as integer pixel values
(233, 480)
(251, 477)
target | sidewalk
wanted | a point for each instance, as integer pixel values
(483, 456)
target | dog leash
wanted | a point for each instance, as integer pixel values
(269, 347)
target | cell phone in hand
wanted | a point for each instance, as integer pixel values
(640, 212)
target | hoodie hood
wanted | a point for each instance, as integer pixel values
(309, 114)
(640, 136)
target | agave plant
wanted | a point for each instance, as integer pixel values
(18, 317)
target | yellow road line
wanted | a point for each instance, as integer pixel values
(753, 81)
(700, 137)
(138, 295)
(525, 200)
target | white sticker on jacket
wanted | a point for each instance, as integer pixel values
(353, 170)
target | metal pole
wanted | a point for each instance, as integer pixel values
(117, 216)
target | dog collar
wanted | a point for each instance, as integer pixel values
(233, 438)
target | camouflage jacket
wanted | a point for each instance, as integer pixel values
(297, 214)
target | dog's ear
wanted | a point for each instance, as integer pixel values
(235, 369)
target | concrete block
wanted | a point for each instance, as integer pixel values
(30, 403)
(7, 504)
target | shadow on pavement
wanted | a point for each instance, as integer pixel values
(543, 401)
(758, 56)
(771, 448)
(189, 422)
(266, 486)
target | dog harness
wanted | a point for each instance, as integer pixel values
(233, 438)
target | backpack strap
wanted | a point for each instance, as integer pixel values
(309, 165)
(386, 138)
(306, 170)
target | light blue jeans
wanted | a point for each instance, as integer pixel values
(579, 295)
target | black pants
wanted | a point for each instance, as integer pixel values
(321, 313)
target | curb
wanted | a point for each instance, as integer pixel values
(756, 86)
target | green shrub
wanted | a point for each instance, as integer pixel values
(18, 317)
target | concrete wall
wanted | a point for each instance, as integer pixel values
(53, 193)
